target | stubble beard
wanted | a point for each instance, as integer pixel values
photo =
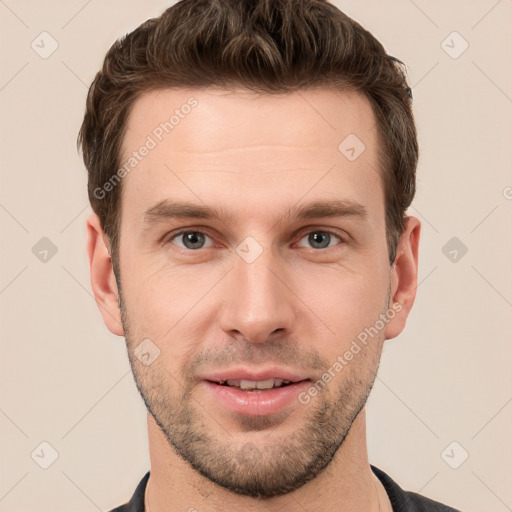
(274, 466)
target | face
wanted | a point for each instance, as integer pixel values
(252, 257)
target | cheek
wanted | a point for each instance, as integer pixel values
(347, 301)
(167, 305)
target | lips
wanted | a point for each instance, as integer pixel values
(255, 393)
(253, 384)
(255, 375)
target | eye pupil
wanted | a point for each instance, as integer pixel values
(319, 237)
(193, 240)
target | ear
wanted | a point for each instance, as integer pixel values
(404, 277)
(103, 281)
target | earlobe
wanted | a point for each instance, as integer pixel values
(103, 281)
(404, 277)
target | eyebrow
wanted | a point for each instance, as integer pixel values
(168, 209)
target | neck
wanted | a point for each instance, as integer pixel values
(347, 484)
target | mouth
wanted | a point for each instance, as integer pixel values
(252, 385)
(256, 395)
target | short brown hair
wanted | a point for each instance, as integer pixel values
(267, 46)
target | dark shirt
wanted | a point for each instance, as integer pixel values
(402, 501)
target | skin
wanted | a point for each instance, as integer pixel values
(298, 306)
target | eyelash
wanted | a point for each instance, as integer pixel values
(175, 235)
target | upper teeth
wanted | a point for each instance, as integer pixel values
(260, 384)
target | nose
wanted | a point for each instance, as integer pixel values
(259, 301)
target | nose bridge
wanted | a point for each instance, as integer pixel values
(257, 302)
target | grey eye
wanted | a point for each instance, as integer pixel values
(320, 239)
(191, 240)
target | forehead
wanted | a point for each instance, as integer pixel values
(198, 119)
(242, 148)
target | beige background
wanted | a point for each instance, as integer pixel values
(66, 380)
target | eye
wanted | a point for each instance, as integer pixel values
(190, 240)
(320, 239)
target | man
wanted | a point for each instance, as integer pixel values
(250, 165)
